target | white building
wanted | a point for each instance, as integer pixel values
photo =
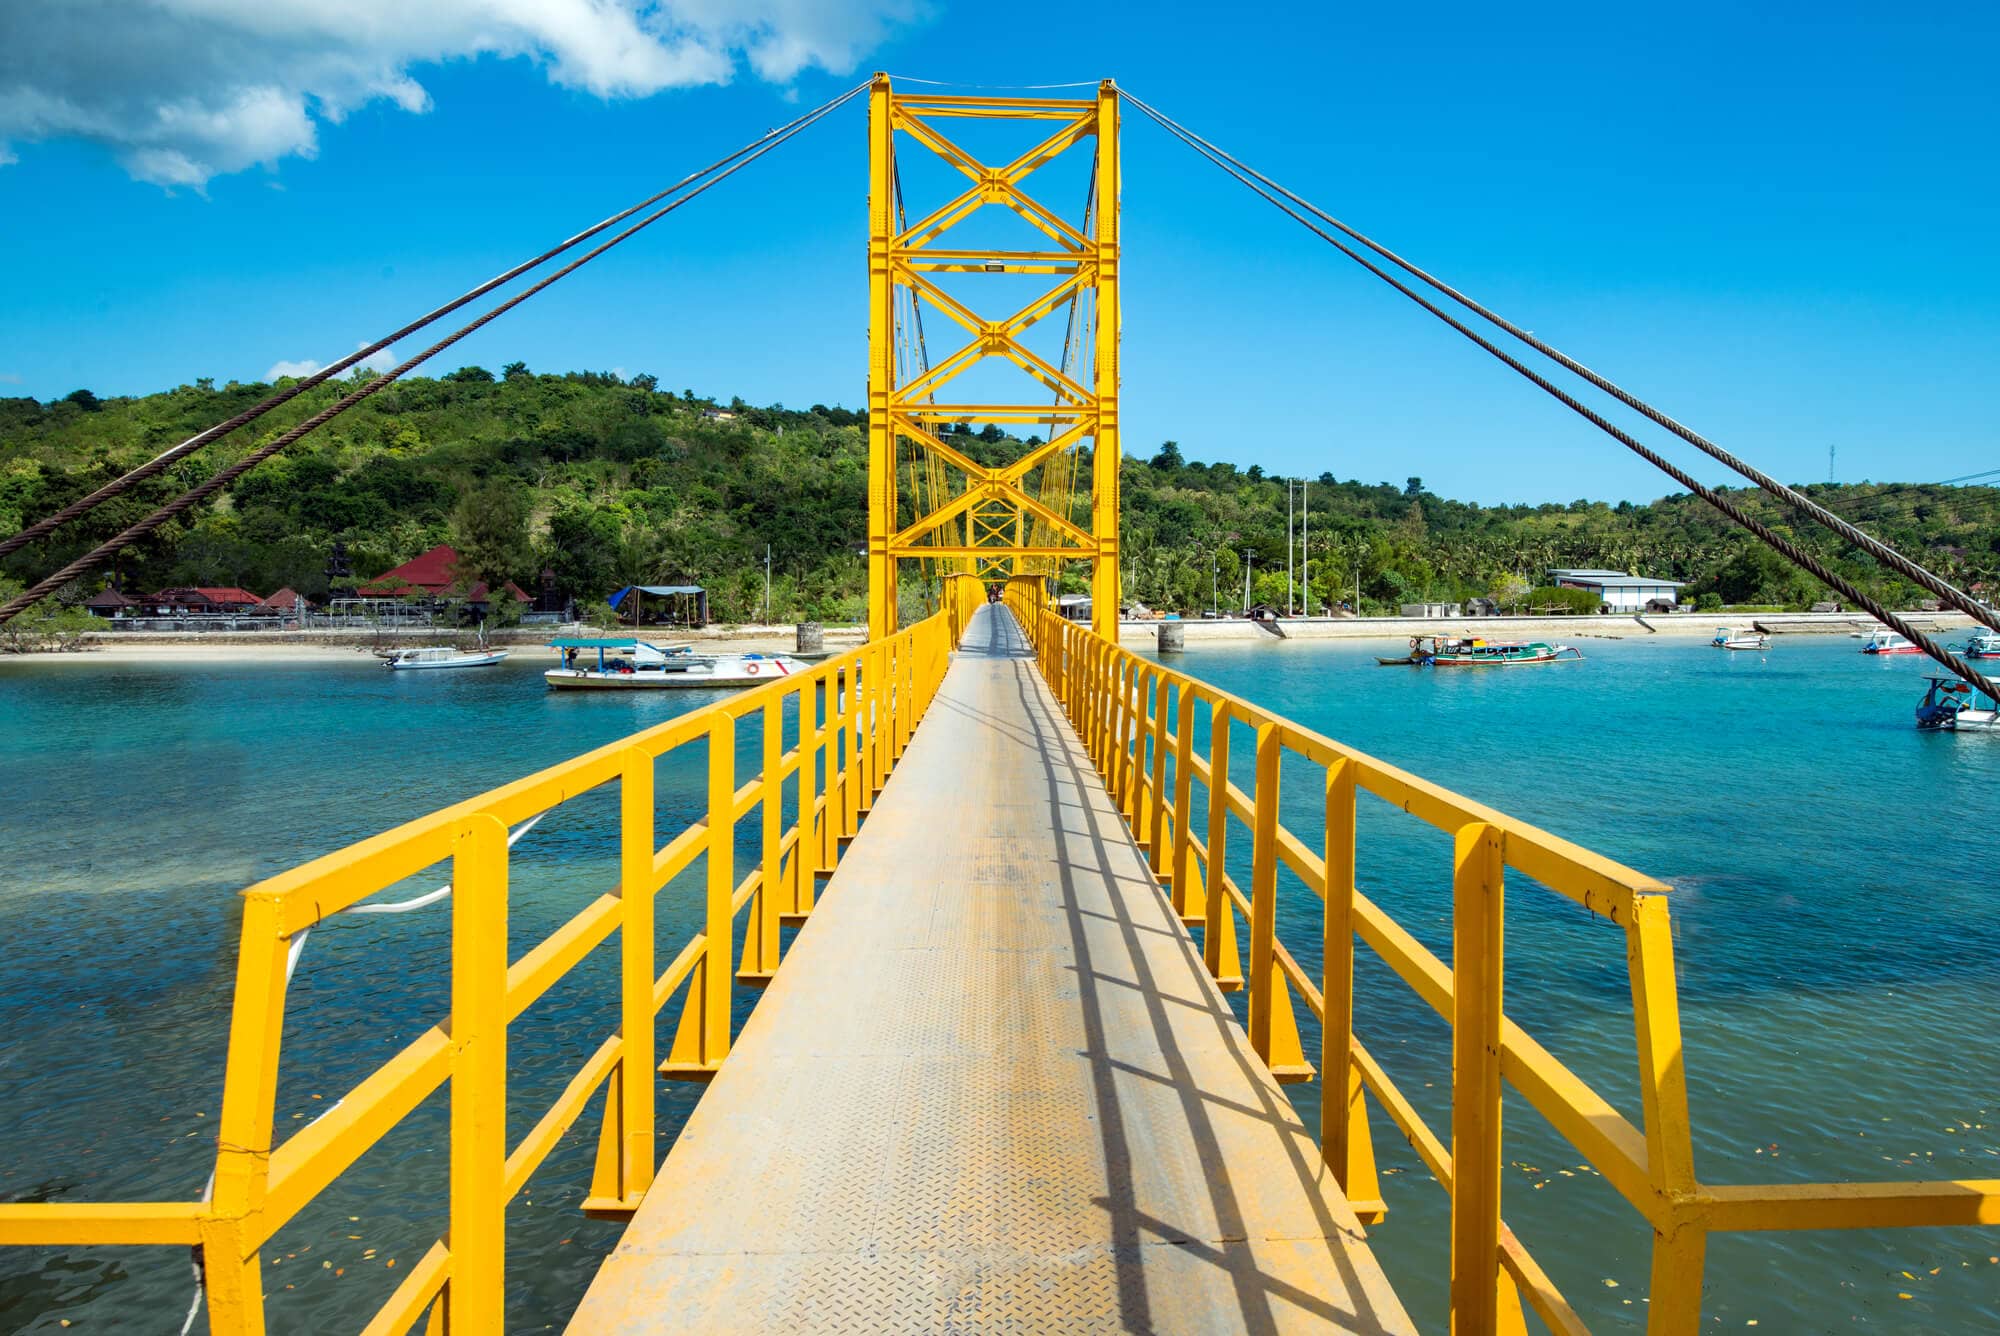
(1617, 591)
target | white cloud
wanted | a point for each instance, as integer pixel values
(185, 90)
(9, 378)
(305, 366)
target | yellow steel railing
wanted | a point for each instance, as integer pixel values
(1138, 719)
(855, 714)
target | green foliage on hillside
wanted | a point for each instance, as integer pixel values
(606, 481)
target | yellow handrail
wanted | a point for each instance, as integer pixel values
(855, 714)
(1137, 718)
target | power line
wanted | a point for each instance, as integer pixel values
(1784, 547)
(161, 462)
(194, 496)
(1805, 505)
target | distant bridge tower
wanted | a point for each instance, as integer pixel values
(930, 501)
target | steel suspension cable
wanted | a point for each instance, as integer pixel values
(166, 459)
(1783, 546)
(194, 496)
(1881, 551)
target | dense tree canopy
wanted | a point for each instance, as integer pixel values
(606, 480)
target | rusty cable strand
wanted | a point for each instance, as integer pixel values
(194, 496)
(1784, 547)
(1860, 538)
(159, 464)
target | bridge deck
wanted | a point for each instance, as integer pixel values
(992, 1087)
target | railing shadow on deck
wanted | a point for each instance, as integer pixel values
(1087, 854)
(854, 716)
(1137, 721)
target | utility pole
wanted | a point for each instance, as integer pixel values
(1290, 590)
(767, 584)
(1305, 552)
(1248, 558)
(1214, 565)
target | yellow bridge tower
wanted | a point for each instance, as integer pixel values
(929, 501)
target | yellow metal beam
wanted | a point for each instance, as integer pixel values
(1006, 514)
(1104, 589)
(881, 360)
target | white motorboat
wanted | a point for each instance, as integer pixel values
(629, 665)
(442, 656)
(1725, 638)
(1952, 706)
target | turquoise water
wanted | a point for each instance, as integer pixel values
(1837, 938)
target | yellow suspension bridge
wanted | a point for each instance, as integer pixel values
(995, 1081)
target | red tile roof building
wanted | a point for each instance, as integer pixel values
(435, 573)
(206, 598)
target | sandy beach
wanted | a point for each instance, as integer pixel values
(1680, 626)
(193, 648)
(346, 645)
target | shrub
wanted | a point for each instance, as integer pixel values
(1549, 598)
(1709, 602)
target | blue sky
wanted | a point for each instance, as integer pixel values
(1780, 226)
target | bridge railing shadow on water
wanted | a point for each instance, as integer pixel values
(1140, 722)
(855, 712)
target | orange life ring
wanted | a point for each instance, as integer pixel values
(750, 668)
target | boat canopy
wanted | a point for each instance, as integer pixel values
(627, 643)
(658, 591)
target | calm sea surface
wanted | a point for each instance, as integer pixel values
(1836, 931)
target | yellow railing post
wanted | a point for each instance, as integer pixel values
(1125, 681)
(1187, 888)
(881, 732)
(1680, 1251)
(1156, 813)
(1477, 947)
(701, 1040)
(760, 935)
(806, 861)
(1264, 889)
(1345, 1143)
(1218, 937)
(853, 720)
(634, 1084)
(232, 1269)
(476, 1294)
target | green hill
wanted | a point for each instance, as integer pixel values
(606, 481)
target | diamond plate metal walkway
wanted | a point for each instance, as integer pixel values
(992, 1088)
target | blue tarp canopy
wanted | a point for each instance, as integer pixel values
(619, 597)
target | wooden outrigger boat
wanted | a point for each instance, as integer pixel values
(1982, 645)
(1953, 707)
(1888, 642)
(1477, 651)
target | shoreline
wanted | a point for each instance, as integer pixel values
(1678, 627)
(347, 646)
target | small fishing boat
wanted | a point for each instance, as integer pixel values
(1983, 645)
(1725, 638)
(1477, 651)
(441, 656)
(1887, 642)
(1952, 706)
(627, 665)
